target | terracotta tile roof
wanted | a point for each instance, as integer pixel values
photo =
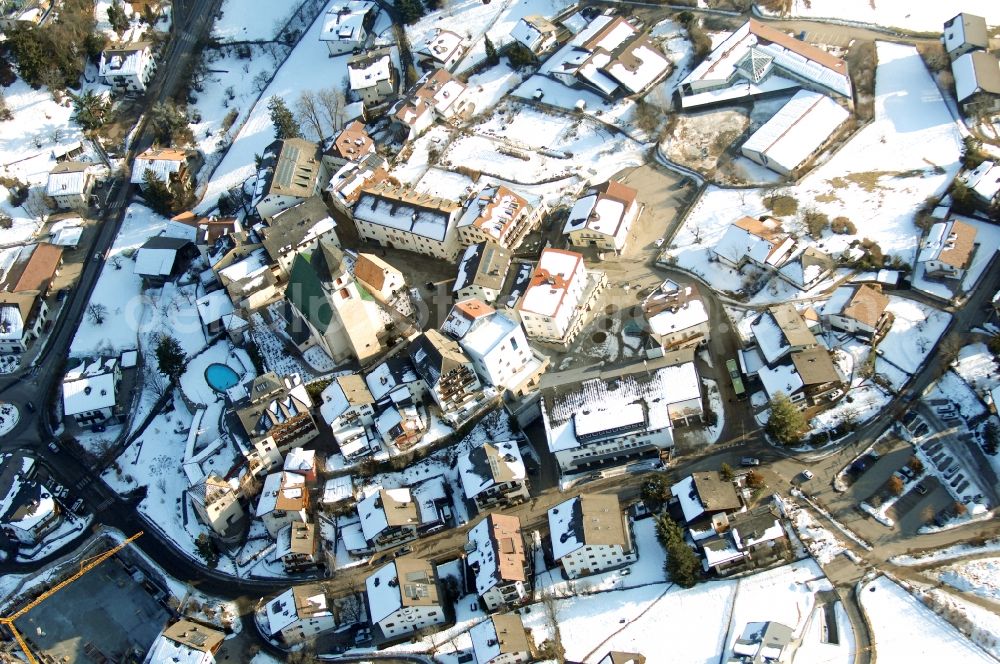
(474, 308)
(352, 143)
(372, 270)
(767, 33)
(756, 227)
(505, 531)
(866, 305)
(40, 268)
(959, 245)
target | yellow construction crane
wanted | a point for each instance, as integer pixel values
(85, 566)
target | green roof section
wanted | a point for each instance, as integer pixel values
(305, 292)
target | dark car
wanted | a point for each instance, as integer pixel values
(402, 551)
(920, 488)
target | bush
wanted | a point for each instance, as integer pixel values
(895, 486)
(726, 471)
(873, 259)
(518, 55)
(843, 226)
(755, 480)
(915, 464)
(816, 222)
(6, 222)
(781, 205)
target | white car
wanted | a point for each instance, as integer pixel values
(808, 474)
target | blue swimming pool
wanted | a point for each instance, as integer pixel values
(221, 377)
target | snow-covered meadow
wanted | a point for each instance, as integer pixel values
(913, 16)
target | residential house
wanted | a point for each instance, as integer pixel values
(247, 276)
(185, 642)
(762, 642)
(799, 130)
(352, 144)
(168, 165)
(495, 556)
(590, 534)
(621, 416)
(603, 217)
(217, 504)
(401, 218)
(208, 232)
(298, 547)
(758, 59)
(70, 184)
(807, 380)
(497, 214)
(215, 311)
(560, 291)
(780, 331)
(977, 83)
(297, 230)
(399, 424)
(610, 57)
(381, 280)
(618, 657)
(700, 497)
(373, 76)
(482, 271)
(389, 517)
(536, 33)
(677, 317)
(347, 25)
(347, 183)
(436, 96)
(759, 243)
(394, 373)
(277, 408)
(442, 49)
(22, 318)
(28, 511)
(127, 68)
(161, 259)
(984, 182)
(448, 373)
(90, 392)
(947, 251)
(33, 269)
(744, 540)
(327, 309)
(497, 346)
(965, 33)
(493, 474)
(291, 171)
(347, 402)
(403, 597)
(806, 268)
(284, 500)
(302, 462)
(299, 614)
(501, 639)
(859, 310)
(24, 12)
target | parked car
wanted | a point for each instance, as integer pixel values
(77, 507)
(53, 447)
(808, 474)
(30, 406)
(749, 461)
(402, 551)
(59, 491)
(920, 488)
(362, 637)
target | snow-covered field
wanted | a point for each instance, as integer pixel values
(878, 180)
(253, 20)
(865, 403)
(980, 577)
(914, 16)
(906, 631)
(915, 332)
(309, 67)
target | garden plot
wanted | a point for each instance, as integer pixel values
(502, 25)
(410, 168)
(253, 20)
(445, 184)
(860, 405)
(308, 67)
(554, 93)
(878, 179)
(674, 42)
(977, 367)
(486, 89)
(699, 140)
(915, 16)
(915, 331)
(980, 577)
(907, 631)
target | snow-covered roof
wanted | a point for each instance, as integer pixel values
(370, 71)
(213, 306)
(406, 581)
(389, 375)
(950, 242)
(298, 603)
(385, 508)
(489, 464)
(300, 460)
(984, 180)
(778, 329)
(163, 162)
(493, 210)
(798, 129)
(68, 179)
(668, 313)
(687, 497)
(761, 242)
(337, 489)
(282, 491)
(66, 233)
(93, 388)
(531, 30)
(974, 72)
(255, 263)
(499, 635)
(965, 29)
(587, 520)
(638, 66)
(780, 378)
(497, 551)
(601, 405)
(551, 281)
(603, 209)
(399, 209)
(343, 393)
(344, 21)
(441, 46)
(127, 60)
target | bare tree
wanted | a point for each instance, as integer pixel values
(35, 204)
(308, 110)
(96, 313)
(331, 101)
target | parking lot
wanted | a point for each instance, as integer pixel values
(107, 613)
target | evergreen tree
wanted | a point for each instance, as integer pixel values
(285, 124)
(157, 193)
(409, 11)
(519, 55)
(118, 18)
(492, 57)
(167, 122)
(170, 358)
(683, 565)
(786, 422)
(90, 110)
